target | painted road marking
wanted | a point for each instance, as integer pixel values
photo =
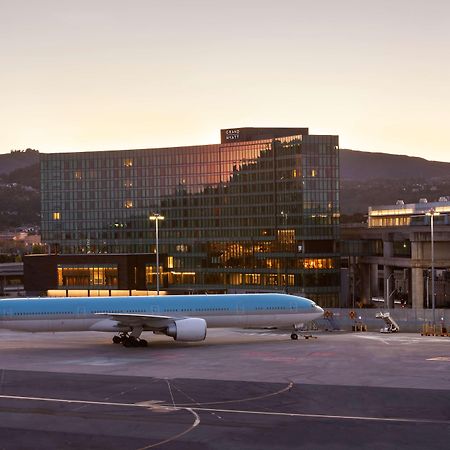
(439, 358)
(193, 409)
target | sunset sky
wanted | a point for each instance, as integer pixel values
(114, 74)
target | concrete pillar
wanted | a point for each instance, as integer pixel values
(388, 249)
(345, 288)
(365, 288)
(388, 300)
(374, 280)
(420, 250)
(417, 288)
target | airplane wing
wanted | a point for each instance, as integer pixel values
(149, 322)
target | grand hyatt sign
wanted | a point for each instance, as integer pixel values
(232, 135)
(242, 134)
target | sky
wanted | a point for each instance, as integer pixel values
(109, 74)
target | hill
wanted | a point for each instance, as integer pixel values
(19, 189)
(362, 166)
(367, 179)
(371, 179)
(26, 176)
(18, 159)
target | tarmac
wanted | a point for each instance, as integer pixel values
(239, 389)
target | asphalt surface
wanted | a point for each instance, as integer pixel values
(239, 390)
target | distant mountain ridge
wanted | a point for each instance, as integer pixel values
(17, 159)
(355, 165)
(363, 166)
(367, 179)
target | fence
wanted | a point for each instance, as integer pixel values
(409, 320)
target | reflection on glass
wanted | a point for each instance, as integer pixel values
(222, 205)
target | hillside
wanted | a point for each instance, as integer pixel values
(371, 179)
(17, 159)
(357, 196)
(367, 179)
(362, 166)
(20, 198)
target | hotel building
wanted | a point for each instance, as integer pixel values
(257, 212)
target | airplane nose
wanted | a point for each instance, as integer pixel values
(319, 310)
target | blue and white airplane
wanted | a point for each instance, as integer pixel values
(183, 317)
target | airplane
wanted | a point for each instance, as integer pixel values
(182, 317)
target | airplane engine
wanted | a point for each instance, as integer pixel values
(192, 329)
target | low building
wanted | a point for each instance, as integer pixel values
(391, 257)
(68, 275)
(11, 279)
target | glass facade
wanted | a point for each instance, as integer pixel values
(252, 215)
(412, 214)
(88, 276)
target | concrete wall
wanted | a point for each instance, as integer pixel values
(409, 320)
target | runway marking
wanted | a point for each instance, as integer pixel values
(101, 361)
(158, 407)
(374, 338)
(439, 358)
(193, 410)
(170, 391)
(248, 399)
(323, 416)
(398, 339)
(173, 438)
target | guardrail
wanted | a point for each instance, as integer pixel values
(409, 320)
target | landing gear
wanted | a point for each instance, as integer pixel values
(294, 336)
(134, 342)
(128, 340)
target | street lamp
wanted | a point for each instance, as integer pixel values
(388, 295)
(432, 212)
(284, 215)
(157, 218)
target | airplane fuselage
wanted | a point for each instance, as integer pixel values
(123, 314)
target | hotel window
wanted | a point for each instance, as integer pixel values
(318, 263)
(87, 276)
(56, 216)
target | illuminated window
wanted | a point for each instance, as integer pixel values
(286, 236)
(252, 278)
(181, 278)
(56, 216)
(128, 204)
(236, 279)
(318, 263)
(77, 175)
(313, 172)
(87, 276)
(128, 162)
(287, 280)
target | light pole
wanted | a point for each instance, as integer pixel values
(432, 212)
(284, 248)
(388, 296)
(157, 218)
